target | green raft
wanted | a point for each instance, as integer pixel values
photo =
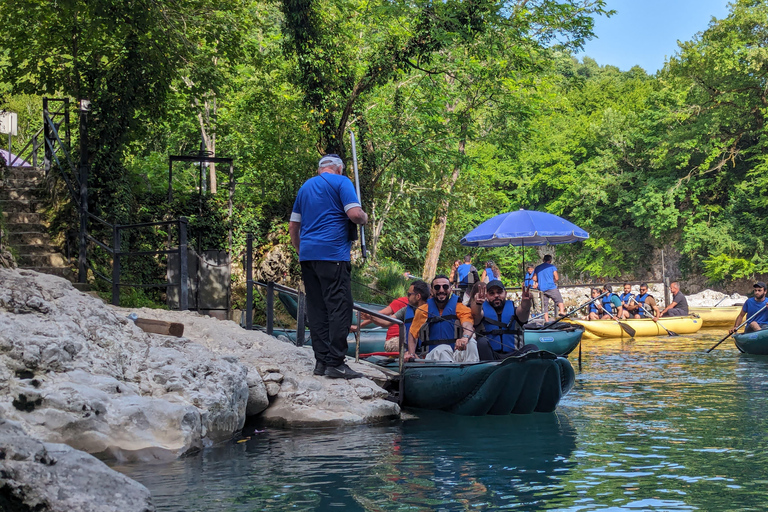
(755, 343)
(532, 382)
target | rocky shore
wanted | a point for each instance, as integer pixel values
(77, 372)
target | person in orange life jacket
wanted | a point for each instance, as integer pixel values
(491, 273)
(626, 300)
(498, 322)
(642, 300)
(679, 304)
(417, 296)
(319, 231)
(546, 277)
(466, 277)
(443, 325)
(752, 306)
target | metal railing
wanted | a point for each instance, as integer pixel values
(117, 254)
(49, 131)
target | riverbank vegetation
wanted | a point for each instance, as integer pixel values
(462, 110)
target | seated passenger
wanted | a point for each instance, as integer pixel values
(643, 305)
(679, 304)
(417, 295)
(752, 307)
(626, 299)
(498, 323)
(595, 309)
(444, 326)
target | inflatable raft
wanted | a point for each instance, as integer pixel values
(717, 317)
(642, 327)
(755, 343)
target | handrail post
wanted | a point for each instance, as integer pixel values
(270, 307)
(249, 282)
(48, 154)
(183, 268)
(82, 261)
(35, 147)
(357, 339)
(302, 304)
(116, 265)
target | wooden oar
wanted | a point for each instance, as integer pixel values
(624, 326)
(671, 333)
(736, 330)
(575, 310)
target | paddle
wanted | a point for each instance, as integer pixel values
(624, 326)
(671, 333)
(575, 310)
(739, 327)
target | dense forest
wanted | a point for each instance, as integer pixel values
(461, 109)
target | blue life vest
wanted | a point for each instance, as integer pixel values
(528, 281)
(462, 273)
(607, 304)
(640, 299)
(625, 297)
(489, 273)
(593, 308)
(440, 329)
(408, 320)
(500, 331)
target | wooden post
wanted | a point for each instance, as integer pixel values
(667, 297)
(249, 281)
(183, 266)
(302, 306)
(270, 307)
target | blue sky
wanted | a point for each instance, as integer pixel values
(645, 32)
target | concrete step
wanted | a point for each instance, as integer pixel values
(28, 238)
(42, 260)
(22, 218)
(65, 272)
(22, 194)
(35, 249)
(24, 172)
(30, 180)
(21, 205)
(22, 227)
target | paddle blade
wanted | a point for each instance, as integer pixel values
(672, 333)
(628, 329)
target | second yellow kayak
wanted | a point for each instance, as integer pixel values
(642, 327)
(717, 317)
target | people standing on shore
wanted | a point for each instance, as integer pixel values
(320, 232)
(752, 306)
(466, 277)
(453, 276)
(498, 320)
(445, 326)
(491, 273)
(679, 304)
(545, 276)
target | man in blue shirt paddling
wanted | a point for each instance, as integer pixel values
(752, 306)
(320, 233)
(546, 277)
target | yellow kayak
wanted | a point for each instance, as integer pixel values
(717, 317)
(643, 327)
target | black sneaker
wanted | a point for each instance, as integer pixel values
(319, 368)
(342, 372)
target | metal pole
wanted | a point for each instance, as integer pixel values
(302, 306)
(401, 334)
(48, 156)
(231, 195)
(249, 281)
(270, 307)
(357, 339)
(82, 264)
(35, 147)
(183, 266)
(357, 189)
(116, 265)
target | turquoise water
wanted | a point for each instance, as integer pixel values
(651, 424)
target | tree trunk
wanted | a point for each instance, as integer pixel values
(440, 220)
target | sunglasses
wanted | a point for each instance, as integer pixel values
(442, 286)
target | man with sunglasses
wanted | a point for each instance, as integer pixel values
(320, 233)
(498, 320)
(443, 325)
(642, 305)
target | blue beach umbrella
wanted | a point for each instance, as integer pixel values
(524, 228)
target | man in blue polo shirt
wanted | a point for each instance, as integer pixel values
(320, 233)
(545, 275)
(752, 306)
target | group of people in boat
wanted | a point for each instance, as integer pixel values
(612, 306)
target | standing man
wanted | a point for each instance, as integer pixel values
(445, 326)
(679, 304)
(752, 306)
(466, 276)
(545, 276)
(498, 320)
(320, 232)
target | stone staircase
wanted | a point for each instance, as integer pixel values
(21, 199)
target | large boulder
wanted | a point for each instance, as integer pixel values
(296, 396)
(75, 371)
(48, 477)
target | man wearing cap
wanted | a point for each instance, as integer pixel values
(497, 321)
(679, 304)
(752, 307)
(546, 277)
(320, 233)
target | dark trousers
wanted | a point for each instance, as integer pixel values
(329, 308)
(676, 312)
(486, 353)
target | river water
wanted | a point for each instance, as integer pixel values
(651, 424)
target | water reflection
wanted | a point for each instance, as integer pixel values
(651, 424)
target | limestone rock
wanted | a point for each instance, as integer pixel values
(710, 298)
(57, 478)
(73, 370)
